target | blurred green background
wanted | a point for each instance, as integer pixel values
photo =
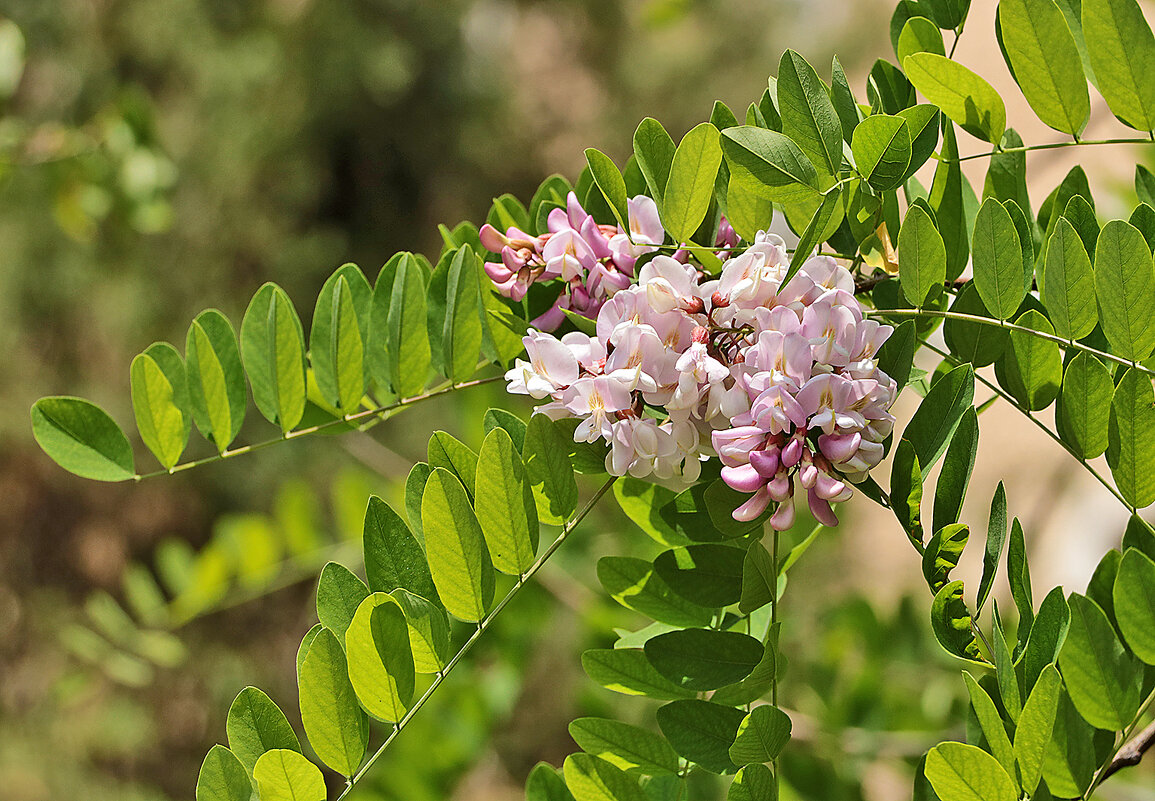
(161, 156)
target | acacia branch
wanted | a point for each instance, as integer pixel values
(1132, 751)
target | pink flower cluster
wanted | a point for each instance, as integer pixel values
(592, 261)
(780, 382)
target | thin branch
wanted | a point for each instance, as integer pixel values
(482, 626)
(1132, 751)
(1049, 146)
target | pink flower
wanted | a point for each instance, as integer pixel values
(595, 400)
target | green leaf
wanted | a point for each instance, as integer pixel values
(1131, 439)
(1134, 596)
(1101, 676)
(996, 539)
(273, 347)
(642, 501)
(1033, 366)
(380, 659)
(223, 777)
(703, 659)
(956, 471)
(702, 732)
(808, 116)
(505, 507)
(842, 97)
(1048, 633)
(255, 725)
(951, 622)
(393, 557)
(80, 437)
(991, 723)
(749, 207)
(458, 559)
(1070, 762)
(933, 425)
(960, 772)
(609, 180)
(1035, 726)
(882, 150)
(761, 736)
(770, 158)
(633, 583)
(753, 783)
(997, 255)
(399, 344)
(306, 643)
(593, 779)
(513, 425)
(1125, 289)
(654, 151)
(954, 204)
(690, 186)
(961, 94)
(624, 746)
(1144, 185)
(337, 728)
(545, 783)
(942, 554)
(337, 338)
(1122, 52)
(160, 418)
(550, 471)
(921, 256)
(1084, 408)
(1045, 62)
(462, 334)
(1068, 282)
(820, 228)
(919, 35)
(906, 491)
(339, 593)
(1019, 577)
(287, 776)
(450, 453)
(709, 575)
(216, 380)
(896, 356)
(923, 122)
(1005, 674)
(414, 489)
(758, 579)
(629, 672)
(428, 630)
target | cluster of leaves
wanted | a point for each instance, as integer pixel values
(1060, 305)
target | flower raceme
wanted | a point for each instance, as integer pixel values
(779, 381)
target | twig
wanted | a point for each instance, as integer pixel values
(1132, 751)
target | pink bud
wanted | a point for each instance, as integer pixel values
(821, 509)
(753, 507)
(719, 301)
(792, 453)
(765, 461)
(743, 478)
(783, 518)
(700, 334)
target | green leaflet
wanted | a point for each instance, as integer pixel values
(771, 159)
(609, 180)
(216, 380)
(822, 225)
(922, 121)
(1068, 282)
(932, 426)
(1125, 290)
(624, 746)
(1005, 674)
(921, 256)
(1081, 215)
(450, 453)
(1032, 367)
(1035, 725)
(950, 621)
(703, 659)
(1122, 54)
(255, 725)
(956, 471)
(1144, 185)
(808, 116)
(942, 554)
(545, 783)
(991, 723)
(629, 672)
(156, 401)
(896, 356)
(1006, 177)
(961, 94)
(1070, 759)
(393, 557)
(996, 539)
(399, 343)
(287, 776)
(978, 343)
(458, 559)
(960, 772)
(339, 593)
(1134, 597)
(462, 334)
(1048, 633)
(690, 186)
(593, 779)
(752, 783)
(654, 151)
(222, 777)
(550, 471)
(513, 425)
(749, 207)
(702, 732)
(1041, 51)
(709, 575)
(428, 630)
(273, 347)
(906, 491)
(380, 660)
(1131, 439)
(758, 580)
(1101, 676)
(414, 489)
(1084, 410)
(306, 643)
(337, 728)
(919, 35)
(504, 504)
(338, 338)
(642, 501)
(882, 150)
(954, 204)
(888, 89)
(997, 256)
(761, 736)
(634, 584)
(81, 437)
(842, 97)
